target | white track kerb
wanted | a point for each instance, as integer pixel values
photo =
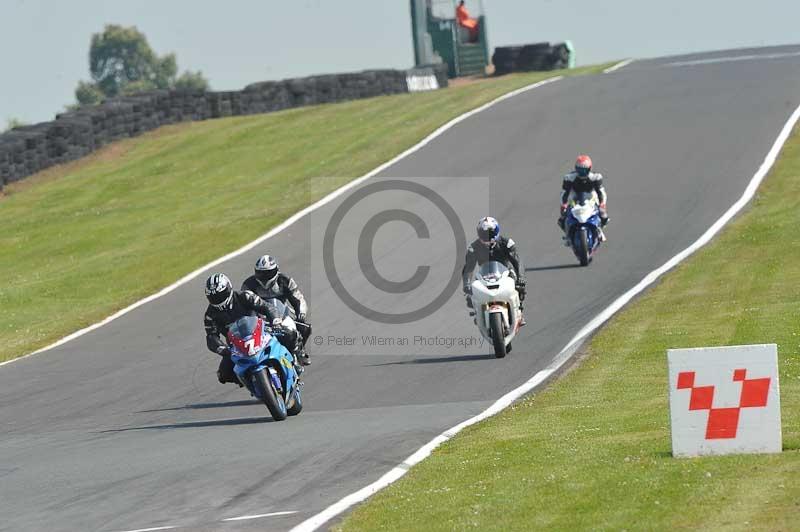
(289, 221)
(621, 64)
(565, 354)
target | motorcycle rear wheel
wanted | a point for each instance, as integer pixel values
(498, 336)
(273, 400)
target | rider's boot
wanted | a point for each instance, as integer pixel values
(222, 379)
(601, 234)
(302, 356)
(298, 367)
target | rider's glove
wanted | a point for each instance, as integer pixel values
(521, 291)
(301, 317)
(563, 208)
(223, 351)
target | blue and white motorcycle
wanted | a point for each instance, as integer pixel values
(265, 366)
(583, 226)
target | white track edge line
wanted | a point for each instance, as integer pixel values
(292, 219)
(259, 516)
(619, 65)
(732, 58)
(314, 522)
(152, 529)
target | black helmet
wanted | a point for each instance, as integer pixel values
(488, 230)
(219, 291)
(266, 268)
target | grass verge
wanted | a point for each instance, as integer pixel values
(84, 240)
(593, 451)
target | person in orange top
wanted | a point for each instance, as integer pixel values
(465, 21)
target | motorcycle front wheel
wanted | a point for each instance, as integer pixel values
(498, 336)
(272, 399)
(297, 406)
(583, 248)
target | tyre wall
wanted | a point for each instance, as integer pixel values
(74, 134)
(530, 57)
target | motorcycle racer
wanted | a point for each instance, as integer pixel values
(490, 245)
(269, 282)
(225, 306)
(582, 179)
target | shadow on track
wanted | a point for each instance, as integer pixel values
(195, 424)
(436, 360)
(200, 406)
(556, 267)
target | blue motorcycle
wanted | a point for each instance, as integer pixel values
(265, 366)
(583, 226)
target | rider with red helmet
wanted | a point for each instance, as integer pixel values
(582, 179)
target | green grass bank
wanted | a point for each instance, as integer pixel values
(592, 451)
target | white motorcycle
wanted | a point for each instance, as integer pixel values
(496, 306)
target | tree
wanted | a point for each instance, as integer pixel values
(122, 62)
(88, 93)
(191, 81)
(12, 123)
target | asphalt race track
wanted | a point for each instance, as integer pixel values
(127, 428)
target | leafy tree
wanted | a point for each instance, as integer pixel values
(11, 123)
(88, 93)
(191, 81)
(122, 62)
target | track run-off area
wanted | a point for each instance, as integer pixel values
(125, 427)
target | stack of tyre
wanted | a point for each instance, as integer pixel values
(530, 57)
(28, 149)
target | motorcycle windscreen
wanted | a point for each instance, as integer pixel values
(584, 207)
(492, 271)
(584, 198)
(277, 308)
(247, 335)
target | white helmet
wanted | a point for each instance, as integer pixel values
(219, 291)
(266, 269)
(488, 231)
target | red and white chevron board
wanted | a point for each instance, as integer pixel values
(724, 400)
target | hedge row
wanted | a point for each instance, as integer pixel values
(29, 149)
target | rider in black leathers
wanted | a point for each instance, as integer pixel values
(225, 307)
(268, 283)
(491, 246)
(583, 179)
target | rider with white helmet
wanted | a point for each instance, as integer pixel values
(490, 245)
(225, 307)
(269, 282)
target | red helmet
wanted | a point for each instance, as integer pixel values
(583, 165)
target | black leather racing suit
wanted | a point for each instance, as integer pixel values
(504, 251)
(284, 288)
(217, 321)
(572, 182)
